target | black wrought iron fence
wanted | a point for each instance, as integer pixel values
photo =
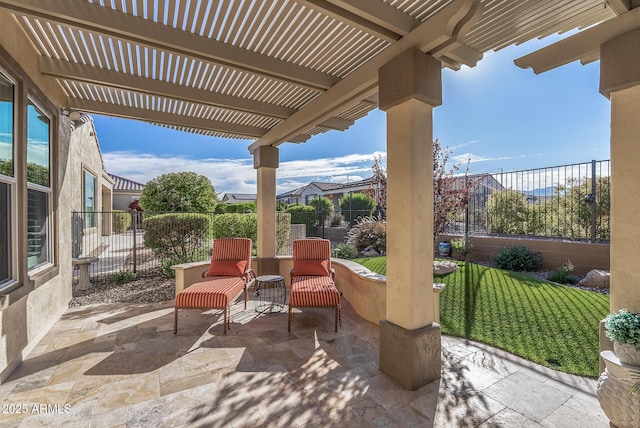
(567, 201)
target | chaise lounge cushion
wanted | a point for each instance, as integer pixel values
(311, 267)
(227, 268)
(314, 291)
(214, 292)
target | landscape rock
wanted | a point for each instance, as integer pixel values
(595, 279)
(443, 267)
(369, 252)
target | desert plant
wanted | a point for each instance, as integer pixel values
(518, 259)
(623, 327)
(123, 276)
(461, 247)
(344, 251)
(120, 221)
(337, 219)
(368, 231)
(563, 275)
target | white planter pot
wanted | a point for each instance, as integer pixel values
(622, 408)
(627, 354)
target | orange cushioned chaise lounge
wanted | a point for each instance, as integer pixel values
(229, 274)
(312, 284)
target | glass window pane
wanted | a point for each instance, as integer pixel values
(6, 127)
(37, 146)
(37, 228)
(89, 199)
(5, 232)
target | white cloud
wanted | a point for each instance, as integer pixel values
(238, 175)
(463, 158)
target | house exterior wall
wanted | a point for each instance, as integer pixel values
(121, 200)
(84, 155)
(41, 296)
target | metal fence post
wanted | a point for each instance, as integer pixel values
(135, 245)
(595, 199)
(322, 223)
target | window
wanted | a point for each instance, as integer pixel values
(89, 200)
(6, 177)
(38, 187)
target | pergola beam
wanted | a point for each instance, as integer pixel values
(60, 69)
(89, 17)
(581, 46)
(429, 36)
(164, 118)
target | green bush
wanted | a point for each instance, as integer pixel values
(518, 259)
(344, 251)
(356, 205)
(179, 192)
(242, 207)
(368, 231)
(246, 226)
(563, 274)
(178, 237)
(303, 214)
(120, 221)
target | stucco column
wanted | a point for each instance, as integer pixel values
(410, 86)
(620, 81)
(265, 161)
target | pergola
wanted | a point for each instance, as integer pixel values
(281, 71)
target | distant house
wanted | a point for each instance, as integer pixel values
(236, 198)
(334, 191)
(125, 191)
(92, 188)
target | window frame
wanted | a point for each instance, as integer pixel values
(85, 172)
(11, 181)
(48, 191)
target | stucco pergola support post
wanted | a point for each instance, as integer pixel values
(620, 82)
(265, 161)
(410, 86)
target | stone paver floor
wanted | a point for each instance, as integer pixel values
(119, 365)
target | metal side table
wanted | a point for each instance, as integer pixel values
(270, 294)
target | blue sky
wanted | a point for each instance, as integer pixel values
(496, 114)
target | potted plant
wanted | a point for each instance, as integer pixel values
(623, 327)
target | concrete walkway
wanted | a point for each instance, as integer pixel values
(119, 365)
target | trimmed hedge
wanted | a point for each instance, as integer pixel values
(178, 237)
(120, 221)
(303, 214)
(246, 226)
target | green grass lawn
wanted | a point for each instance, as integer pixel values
(550, 324)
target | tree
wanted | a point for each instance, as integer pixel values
(451, 192)
(355, 205)
(509, 212)
(179, 192)
(378, 188)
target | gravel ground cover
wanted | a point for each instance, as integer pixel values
(146, 289)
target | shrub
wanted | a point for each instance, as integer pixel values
(120, 221)
(356, 205)
(368, 231)
(518, 259)
(303, 214)
(242, 207)
(461, 247)
(337, 219)
(246, 226)
(178, 237)
(344, 251)
(123, 276)
(563, 274)
(624, 327)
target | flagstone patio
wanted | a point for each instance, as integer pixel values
(117, 365)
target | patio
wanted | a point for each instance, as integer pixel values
(121, 365)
